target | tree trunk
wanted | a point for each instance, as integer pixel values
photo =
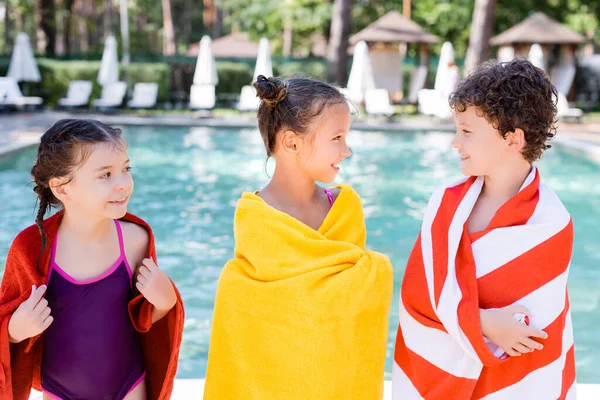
(337, 51)
(107, 20)
(218, 22)
(84, 40)
(35, 29)
(169, 47)
(208, 18)
(187, 22)
(481, 32)
(287, 36)
(68, 23)
(406, 9)
(8, 34)
(48, 25)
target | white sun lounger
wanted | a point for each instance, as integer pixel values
(564, 111)
(78, 94)
(10, 95)
(144, 95)
(112, 95)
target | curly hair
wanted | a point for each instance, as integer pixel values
(512, 95)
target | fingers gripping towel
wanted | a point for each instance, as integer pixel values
(300, 313)
(521, 258)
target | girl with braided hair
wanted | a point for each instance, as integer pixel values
(85, 281)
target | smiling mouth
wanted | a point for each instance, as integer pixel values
(121, 200)
(336, 167)
(463, 157)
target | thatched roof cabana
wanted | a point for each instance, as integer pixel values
(538, 28)
(393, 28)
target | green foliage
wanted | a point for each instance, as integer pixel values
(267, 19)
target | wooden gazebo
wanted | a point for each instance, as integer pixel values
(387, 39)
(558, 42)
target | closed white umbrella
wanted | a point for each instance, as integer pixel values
(361, 73)
(506, 53)
(206, 68)
(22, 65)
(109, 67)
(441, 77)
(263, 61)
(536, 56)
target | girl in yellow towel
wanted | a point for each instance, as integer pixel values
(301, 311)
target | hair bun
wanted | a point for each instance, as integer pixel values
(270, 90)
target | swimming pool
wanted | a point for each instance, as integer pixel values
(188, 181)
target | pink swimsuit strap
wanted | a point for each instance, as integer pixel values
(329, 196)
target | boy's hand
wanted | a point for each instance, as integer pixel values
(503, 329)
(155, 286)
(31, 318)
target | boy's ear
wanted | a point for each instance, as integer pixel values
(516, 139)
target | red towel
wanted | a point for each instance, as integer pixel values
(21, 362)
(522, 258)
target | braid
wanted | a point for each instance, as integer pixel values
(44, 207)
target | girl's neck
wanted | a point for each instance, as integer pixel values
(292, 186)
(84, 227)
(507, 180)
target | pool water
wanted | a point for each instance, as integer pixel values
(187, 181)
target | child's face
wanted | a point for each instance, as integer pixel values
(101, 186)
(324, 148)
(480, 145)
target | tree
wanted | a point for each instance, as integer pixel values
(481, 32)
(266, 18)
(68, 25)
(337, 50)
(169, 47)
(48, 25)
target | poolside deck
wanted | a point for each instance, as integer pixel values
(187, 389)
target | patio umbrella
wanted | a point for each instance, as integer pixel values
(441, 77)
(263, 61)
(109, 67)
(361, 74)
(23, 67)
(536, 56)
(206, 68)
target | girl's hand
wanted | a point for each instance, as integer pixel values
(31, 318)
(503, 329)
(155, 286)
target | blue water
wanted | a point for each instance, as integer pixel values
(188, 181)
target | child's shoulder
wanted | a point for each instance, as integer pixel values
(135, 232)
(136, 239)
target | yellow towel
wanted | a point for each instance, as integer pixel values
(299, 313)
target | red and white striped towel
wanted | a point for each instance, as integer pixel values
(521, 258)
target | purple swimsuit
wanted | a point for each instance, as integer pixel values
(92, 351)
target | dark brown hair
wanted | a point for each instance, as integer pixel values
(64, 147)
(291, 104)
(512, 95)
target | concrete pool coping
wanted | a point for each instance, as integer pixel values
(186, 389)
(20, 131)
